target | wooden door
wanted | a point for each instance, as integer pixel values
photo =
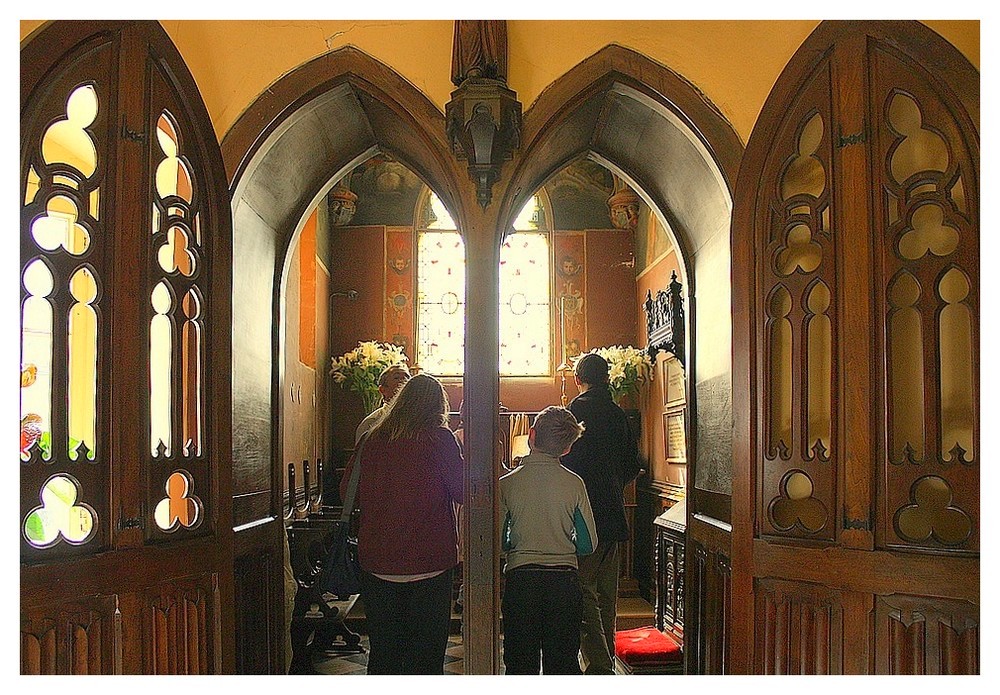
(856, 363)
(125, 523)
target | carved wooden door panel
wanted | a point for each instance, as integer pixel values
(126, 536)
(856, 391)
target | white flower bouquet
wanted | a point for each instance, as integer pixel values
(629, 369)
(359, 369)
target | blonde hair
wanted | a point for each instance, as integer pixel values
(383, 378)
(420, 407)
(555, 430)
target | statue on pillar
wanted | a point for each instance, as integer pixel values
(484, 116)
(479, 50)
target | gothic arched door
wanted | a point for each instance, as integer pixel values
(125, 524)
(856, 364)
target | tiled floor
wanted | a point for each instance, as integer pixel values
(631, 613)
(355, 664)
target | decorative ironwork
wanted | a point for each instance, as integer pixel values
(853, 139)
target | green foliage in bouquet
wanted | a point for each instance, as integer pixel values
(358, 370)
(629, 369)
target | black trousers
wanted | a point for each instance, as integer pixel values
(408, 624)
(542, 611)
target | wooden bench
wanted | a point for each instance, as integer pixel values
(317, 618)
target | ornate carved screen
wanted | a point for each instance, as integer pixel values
(125, 243)
(926, 156)
(859, 196)
(665, 321)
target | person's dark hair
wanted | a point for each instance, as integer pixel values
(556, 429)
(592, 369)
(420, 407)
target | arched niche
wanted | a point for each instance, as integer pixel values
(635, 117)
(282, 156)
(654, 129)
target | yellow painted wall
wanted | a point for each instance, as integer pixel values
(735, 63)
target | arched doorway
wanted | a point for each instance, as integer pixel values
(323, 119)
(650, 127)
(320, 126)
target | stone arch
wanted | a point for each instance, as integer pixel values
(281, 157)
(655, 129)
(309, 128)
(602, 106)
(321, 119)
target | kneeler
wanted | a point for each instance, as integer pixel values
(646, 650)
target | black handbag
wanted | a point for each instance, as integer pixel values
(341, 570)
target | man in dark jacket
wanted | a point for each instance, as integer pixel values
(606, 457)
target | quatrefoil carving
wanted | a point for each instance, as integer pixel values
(796, 505)
(175, 255)
(932, 514)
(180, 507)
(799, 251)
(59, 226)
(59, 516)
(928, 233)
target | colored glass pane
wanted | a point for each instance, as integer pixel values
(525, 337)
(441, 303)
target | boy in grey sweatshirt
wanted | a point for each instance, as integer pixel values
(548, 522)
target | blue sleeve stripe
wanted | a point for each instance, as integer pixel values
(584, 543)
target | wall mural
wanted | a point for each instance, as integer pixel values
(579, 196)
(570, 257)
(387, 192)
(651, 240)
(398, 321)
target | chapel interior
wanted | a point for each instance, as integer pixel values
(781, 216)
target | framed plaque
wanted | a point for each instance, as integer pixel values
(672, 378)
(674, 436)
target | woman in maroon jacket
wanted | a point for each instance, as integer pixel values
(411, 480)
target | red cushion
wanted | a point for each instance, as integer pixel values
(646, 646)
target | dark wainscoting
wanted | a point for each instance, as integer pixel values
(652, 498)
(258, 583)
(709, 594)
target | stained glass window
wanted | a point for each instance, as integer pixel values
(441, 303)
(525, 279)
(525, 275)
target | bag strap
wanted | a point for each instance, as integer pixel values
(352, 484)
